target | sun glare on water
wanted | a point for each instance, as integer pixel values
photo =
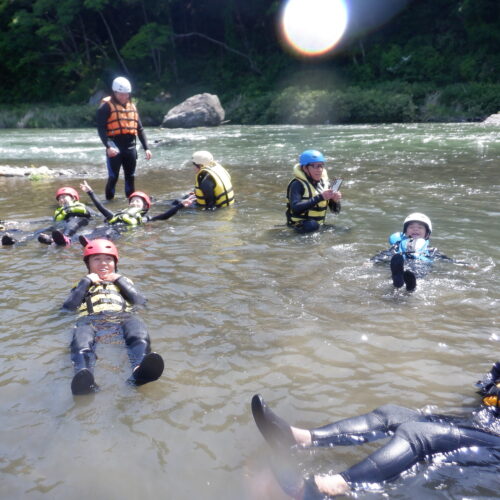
(313, 27)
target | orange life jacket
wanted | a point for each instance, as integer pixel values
(122, 120)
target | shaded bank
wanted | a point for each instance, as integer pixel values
(387, 103)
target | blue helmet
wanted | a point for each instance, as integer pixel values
(311, 156)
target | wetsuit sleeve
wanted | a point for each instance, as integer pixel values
(297, 205)
(334, 206)
(169, 213)
(207, 185)
(77, 295)
(487, 382)
(102, 115)
(142, 134)
(385, 255)
(130, 294)
(97, 202)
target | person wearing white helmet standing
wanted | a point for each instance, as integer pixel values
(213, 187)
(118, 126)
(410, 254)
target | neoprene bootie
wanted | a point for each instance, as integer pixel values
(83, 240)
(397, 268)
(8, 240)
(147, 366)
(45, 239)
(83, 381)
(60, 239)
(274, 429)
(410, 280)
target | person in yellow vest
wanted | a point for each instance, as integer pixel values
(103, 299)
(309, 194)
(213, 188)
(70, 217)
(72, 212)
(118, 126)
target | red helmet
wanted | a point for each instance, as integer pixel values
(68, 190)
(142, 195)
(100, 246)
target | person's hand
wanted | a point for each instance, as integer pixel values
(148, 154)
(94, 277)
(187, 202)
(112, 152)
(85, 186)
(328, 194)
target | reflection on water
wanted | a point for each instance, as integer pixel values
(238, 305)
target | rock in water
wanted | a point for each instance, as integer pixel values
(201, 110)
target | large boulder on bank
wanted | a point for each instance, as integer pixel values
(493, 119)
(201, 110)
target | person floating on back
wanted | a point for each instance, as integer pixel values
(309, 194)
(413, 436)
(410, 254)
(104, 299)
(213, 188)
(135, 214)
(70, 217)
(118, 126)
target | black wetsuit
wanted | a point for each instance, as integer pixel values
(88, 327)
(298, 205)
(126, 144)
(415, 436)
(207, 186)
(114, 230)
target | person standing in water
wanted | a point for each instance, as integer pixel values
(309, 194)
(118, 126)
(213, 188)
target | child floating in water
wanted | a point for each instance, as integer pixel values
(104, 298)
(71, 212)
(410, 254)
(136, 213)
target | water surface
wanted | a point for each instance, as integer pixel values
(239, 305)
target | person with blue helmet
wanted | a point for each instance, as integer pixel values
(410, 255)
(414, 436)
(309, 194)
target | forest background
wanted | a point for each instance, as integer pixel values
(401, 61)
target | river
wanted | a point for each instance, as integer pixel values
(239, 305)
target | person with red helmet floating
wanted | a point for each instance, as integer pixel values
(135, 214)
(70, 216)
(104, 299)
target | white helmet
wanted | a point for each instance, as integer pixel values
(418, 217)
(121, 84)
(202, 158)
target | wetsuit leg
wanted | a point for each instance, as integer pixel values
(413, 442)
(113, 165)
(82, 346)
(129, 162)
(365, 428)
(136, 339)
(73, 224)
(306, 226)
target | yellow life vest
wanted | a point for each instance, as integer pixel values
(122, 120)
(103, 297)
(131, 216)
(74, 209)
(318, 212)
(492, 399)
(223, 192)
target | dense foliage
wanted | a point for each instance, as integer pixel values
(435, 59)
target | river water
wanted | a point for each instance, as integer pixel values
(239, 305)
